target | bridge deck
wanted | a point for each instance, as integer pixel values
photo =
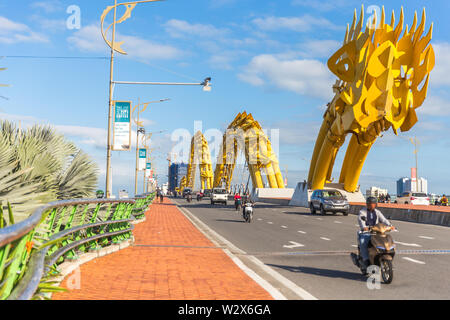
(170, 259)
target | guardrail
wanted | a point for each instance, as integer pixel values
(57, 232)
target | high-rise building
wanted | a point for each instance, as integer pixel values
(401, 185)
(410, 185)
(176, 172)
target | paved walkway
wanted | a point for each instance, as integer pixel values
(170, 260)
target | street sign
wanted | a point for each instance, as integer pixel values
(122, 126)
(148, 170)
(142, 159)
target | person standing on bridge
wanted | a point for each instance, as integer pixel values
(369, 217)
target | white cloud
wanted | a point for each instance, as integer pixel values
(48, 6)
(439, 75)
(297, 133)
(434, 106)
(303, 76)
(322, 5)
(13, 32)
(299, 24)
(96, 137)
(181, 29)
(89, 38)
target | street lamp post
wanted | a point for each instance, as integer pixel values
(149, 151)
(116, 47)
(140, 129)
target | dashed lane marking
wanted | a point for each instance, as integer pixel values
(413, 260)
(270, 222)
(337, 222)
(326, 239)
(408, 244)
(293, 244)
(425, 237)
(284, 227)
(302, 232)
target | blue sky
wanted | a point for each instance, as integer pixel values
(265, 57)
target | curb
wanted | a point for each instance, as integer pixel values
(279, 287)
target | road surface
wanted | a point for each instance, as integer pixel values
(313, 251)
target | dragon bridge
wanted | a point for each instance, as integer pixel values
(244, 134)
(383, 77)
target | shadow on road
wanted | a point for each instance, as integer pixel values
(323, 272)
(298, 213)
(226, 220)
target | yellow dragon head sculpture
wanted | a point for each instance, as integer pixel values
(383, 74)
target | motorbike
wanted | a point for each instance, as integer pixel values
(381, 252)
(189, 198)
(199, 197)
(248, 212)
(238, 204)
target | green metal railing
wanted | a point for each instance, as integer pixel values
(59, 231)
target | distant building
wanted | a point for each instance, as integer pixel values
(401, 183)
(176, 172)
(376, 192)
(410, 185)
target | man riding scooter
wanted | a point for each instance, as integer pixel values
(369, 217)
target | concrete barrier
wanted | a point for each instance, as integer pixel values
(419, 214)
(302, 195)
(275, 196)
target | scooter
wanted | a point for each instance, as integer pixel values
(381, 252)
(238, 204)
(248, 212)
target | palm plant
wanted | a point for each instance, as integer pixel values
(38, 165)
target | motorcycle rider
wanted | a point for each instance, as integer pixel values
(246, 200)
(372, 216)
(237, 197)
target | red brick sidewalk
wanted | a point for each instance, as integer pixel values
(170, 260)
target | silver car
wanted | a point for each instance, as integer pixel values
(328, 200)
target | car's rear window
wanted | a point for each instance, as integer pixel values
(332, 194)
(423, 195)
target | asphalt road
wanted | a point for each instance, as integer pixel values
(314, 251)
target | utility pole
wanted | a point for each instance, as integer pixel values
(415, 142)
(111, 88)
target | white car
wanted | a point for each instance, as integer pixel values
(415, 198)
(219, 195)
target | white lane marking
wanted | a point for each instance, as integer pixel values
(259, 219)
(284, 227)
(302, 232)
(293, 245)
(216, 238)
(354, 246)
(274, 209)
(413, 260)
(319, 218)
(275, 293)
(326, 239)
(337, 222)
(357, 225)
(425, 237)
(270, 222)
(408, 244)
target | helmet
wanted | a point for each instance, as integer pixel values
(371, 200)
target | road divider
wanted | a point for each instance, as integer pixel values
(410, 213)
